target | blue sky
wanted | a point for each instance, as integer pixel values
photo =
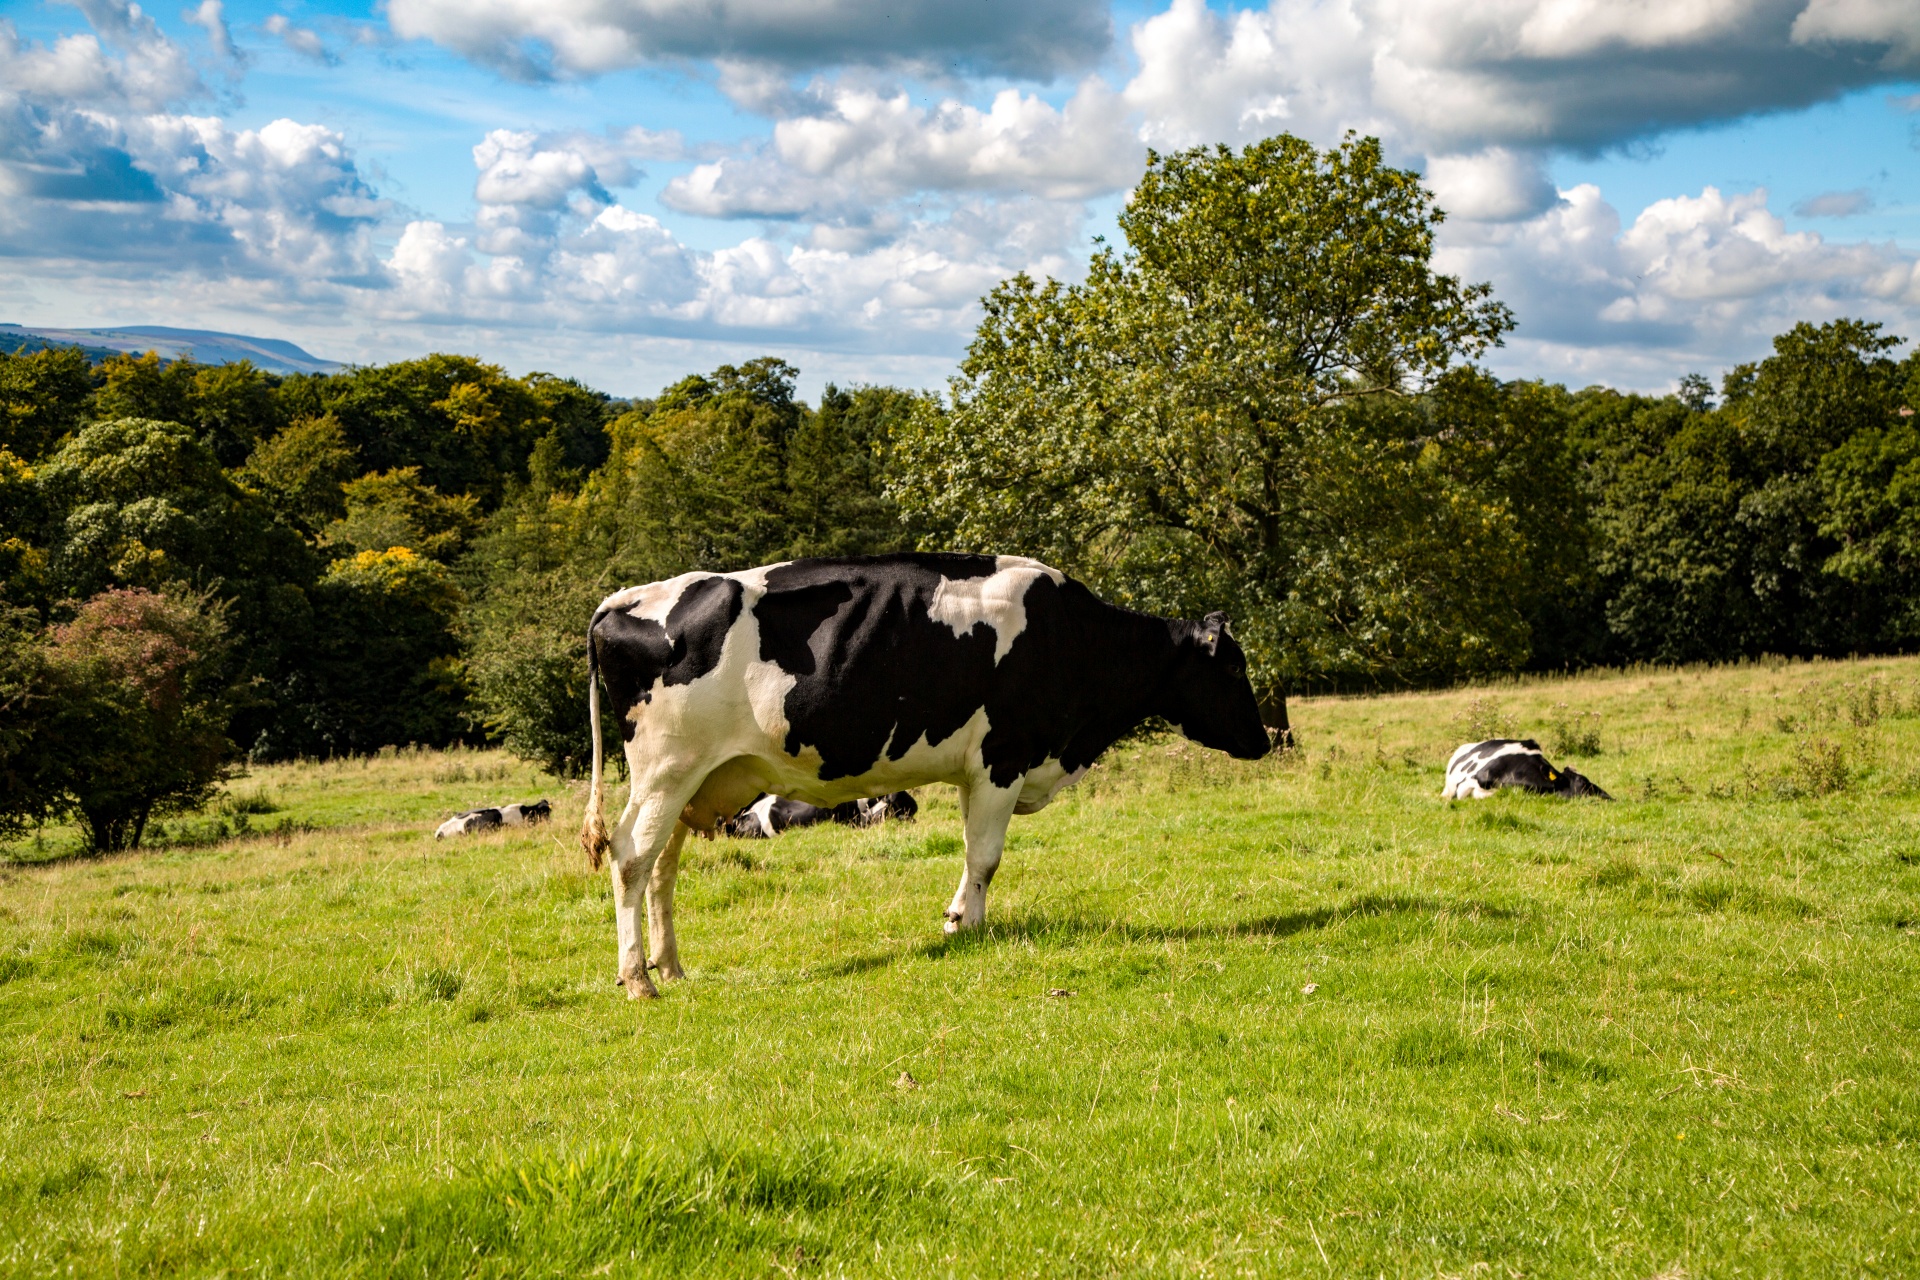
(629, 190)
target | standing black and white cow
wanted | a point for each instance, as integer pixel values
(1477, 769)
(833, 680)
(770, 815)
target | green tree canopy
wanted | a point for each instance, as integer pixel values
(393, 509)
(139, 694)
(44, 396)
(301, 471)
(1181, 431)
(231, 407)
(1776, 523)
(465, 424)
(140, 503)
(382, 664)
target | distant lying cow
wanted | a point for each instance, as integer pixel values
(770, 815)
(1477, 769)
(835, 680)
(507, 815)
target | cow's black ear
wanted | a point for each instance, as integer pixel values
(1212, 627)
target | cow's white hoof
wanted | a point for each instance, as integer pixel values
(639, 986)
(670, 971)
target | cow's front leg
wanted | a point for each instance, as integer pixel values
(663, 950)
(644, 830)
(986, 810)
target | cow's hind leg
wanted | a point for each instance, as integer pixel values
(663, 950)
(986, 810)
(644, 831)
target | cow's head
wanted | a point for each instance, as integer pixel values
(1578, 784)
(1211, 698)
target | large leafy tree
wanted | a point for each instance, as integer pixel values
(1180, 428)
(124, 713)
(141, 503)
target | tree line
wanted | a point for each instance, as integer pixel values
(1266, 401)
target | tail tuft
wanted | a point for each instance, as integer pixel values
(593, 835)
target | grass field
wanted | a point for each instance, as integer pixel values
(1299, 1017)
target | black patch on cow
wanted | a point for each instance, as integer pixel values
(874, 672)
(789, 619)
(698, 624)
(787, 813)
(482, 819)
(633, 653)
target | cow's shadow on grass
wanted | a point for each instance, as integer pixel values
(1072, 929)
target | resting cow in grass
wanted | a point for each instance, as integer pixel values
(833, 680)
(770, 815)
(507, 815)
(1477, 769)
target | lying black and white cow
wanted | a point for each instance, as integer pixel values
(834, 680)
(770, 815)
(507, 815)
(1477, 769)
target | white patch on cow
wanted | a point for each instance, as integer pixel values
(654, 600)
(767, 686)
(999, 600)
(454, 826)
(1042, 783)
(1466, 763)
(762, 812)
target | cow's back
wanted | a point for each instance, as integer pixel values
(891, 652)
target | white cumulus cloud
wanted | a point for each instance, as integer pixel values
(1892, 23)
(863, 147)
(104, 172)
(537, 38)
(1439, 77)
(1692, 282)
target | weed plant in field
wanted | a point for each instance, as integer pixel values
(1295, 1016)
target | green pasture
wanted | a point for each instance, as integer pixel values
(1298, 1017)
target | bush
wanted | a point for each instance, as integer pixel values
(122, 713)
(528, 647)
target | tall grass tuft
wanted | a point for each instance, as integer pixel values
(712, 1211)
(1574, 733)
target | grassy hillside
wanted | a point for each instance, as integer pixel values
(1299, 1016)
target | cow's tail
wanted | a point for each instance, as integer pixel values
(593, 835)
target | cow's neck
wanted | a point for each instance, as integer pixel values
(1136, 680)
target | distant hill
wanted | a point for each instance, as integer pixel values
(203, 346)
